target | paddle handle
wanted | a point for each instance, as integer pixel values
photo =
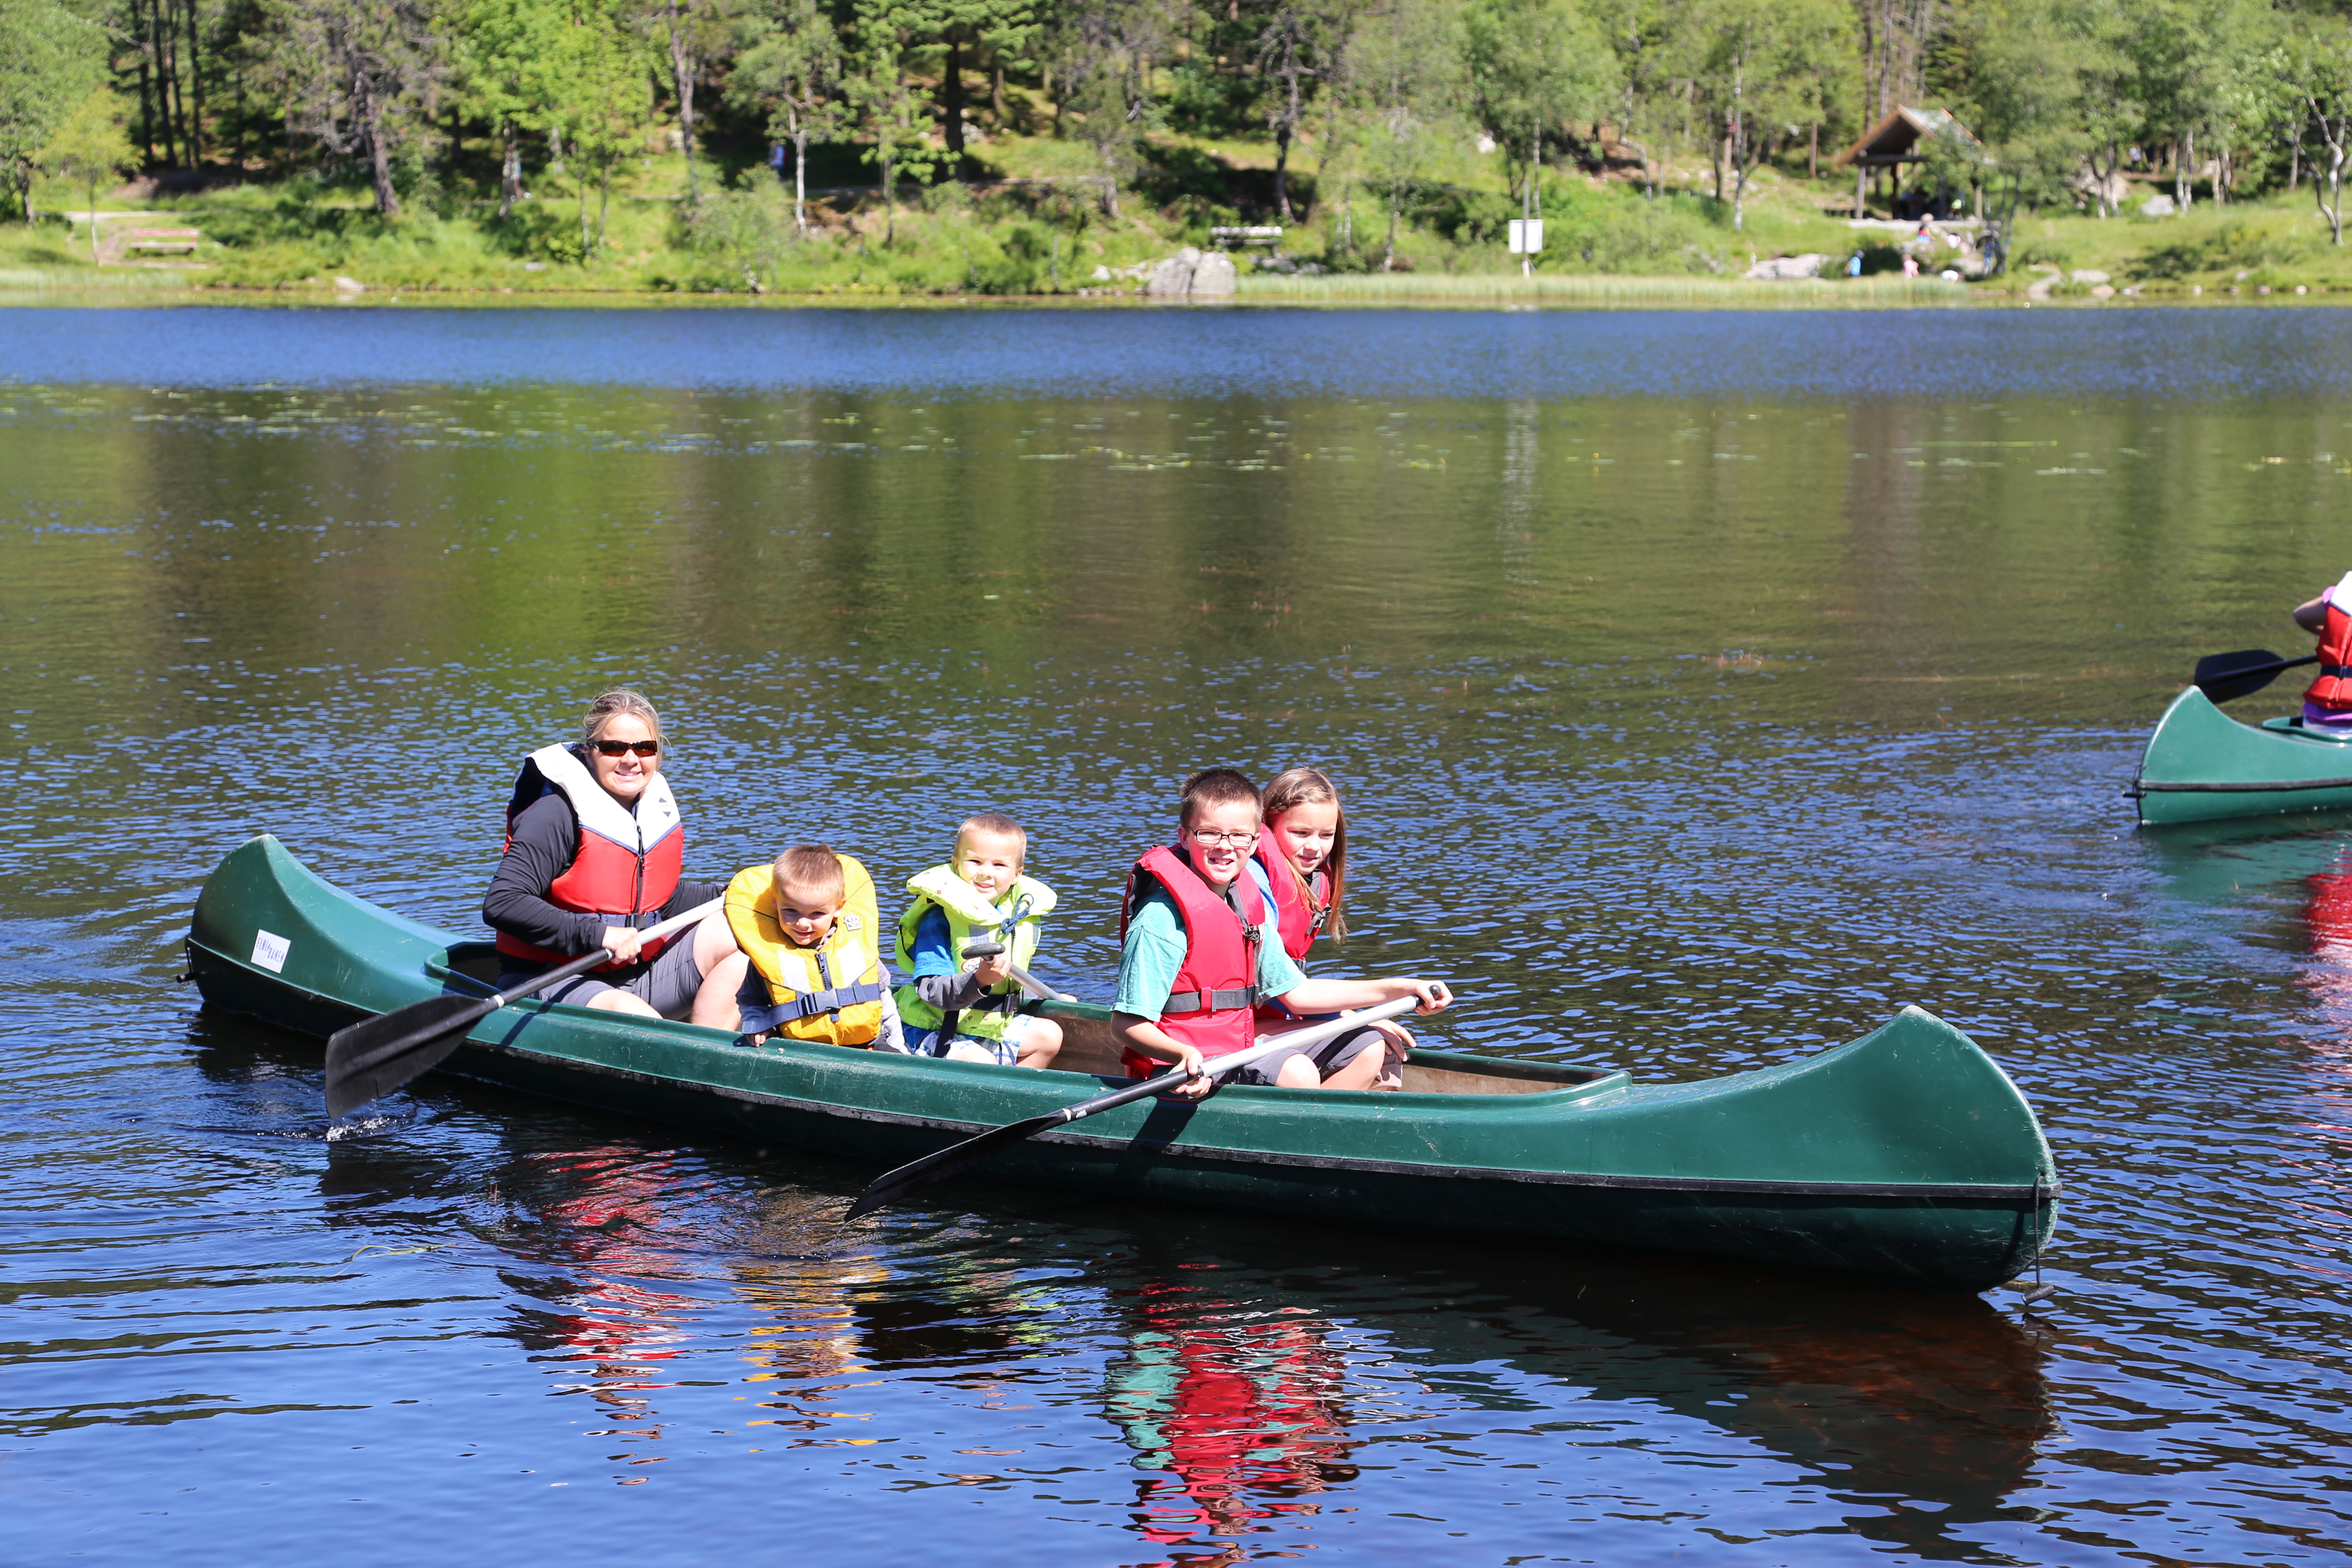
(588, 960)
(1217, 1066)
(1020, 977)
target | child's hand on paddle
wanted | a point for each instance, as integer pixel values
(992, 971)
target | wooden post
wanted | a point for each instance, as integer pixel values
(1860, 174)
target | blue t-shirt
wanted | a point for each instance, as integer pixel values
(930, 949)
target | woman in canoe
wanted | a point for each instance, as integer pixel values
(1302, 865)
(2328, 700)
(594, 851)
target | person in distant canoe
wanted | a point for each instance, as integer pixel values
(2328, 700)
(962, 1008)
(809, 929)
(1302, 867)
(594, 854)
(1200, 949)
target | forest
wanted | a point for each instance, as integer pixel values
(1031, 145)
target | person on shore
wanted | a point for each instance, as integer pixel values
(1302, 863)
(962, 1008)
(1199, 949)
(808, 925)
(594, 853)
(2328, 701)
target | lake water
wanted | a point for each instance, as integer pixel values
(1704, 687)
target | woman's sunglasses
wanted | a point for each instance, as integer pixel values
(619, 748)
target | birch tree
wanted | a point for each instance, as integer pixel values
(791, 67)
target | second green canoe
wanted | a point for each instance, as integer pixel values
(2201, 765)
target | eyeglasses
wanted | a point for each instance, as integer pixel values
(620, 748)
(1210, 837)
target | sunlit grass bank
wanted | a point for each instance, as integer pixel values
(1503, 289)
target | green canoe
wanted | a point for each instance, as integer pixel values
(2201, 765)
(1906, 1155)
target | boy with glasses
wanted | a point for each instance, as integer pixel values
(1199, 950)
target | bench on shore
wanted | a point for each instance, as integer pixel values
(111, 246)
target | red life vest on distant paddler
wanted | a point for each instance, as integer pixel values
(627, 864)
(2333, 689)
(1212, 1005)
(1299, 917)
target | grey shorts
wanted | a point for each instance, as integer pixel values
(1328, 1058)
(668, 984)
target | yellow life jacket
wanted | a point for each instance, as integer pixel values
(832, 992)
(1013, 920)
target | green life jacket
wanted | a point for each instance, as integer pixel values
(1011, 920)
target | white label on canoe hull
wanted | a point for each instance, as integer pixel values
(270, 951)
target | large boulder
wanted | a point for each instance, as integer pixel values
(1173, 276)
(2158, 207)
(1213, 274)
(1787, 267)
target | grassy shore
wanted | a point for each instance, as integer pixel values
(1029, 225)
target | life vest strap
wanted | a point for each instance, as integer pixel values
(757, 1020)
(1222, 1000)
(2335, 672)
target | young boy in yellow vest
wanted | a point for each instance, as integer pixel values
(808, 925)
(962, 1008)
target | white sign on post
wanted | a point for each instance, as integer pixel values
(1526, 236)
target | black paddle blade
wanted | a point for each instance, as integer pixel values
(372, 1057)
(891, 1185)
(2224, 676)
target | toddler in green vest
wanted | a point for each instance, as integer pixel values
(962, 1008)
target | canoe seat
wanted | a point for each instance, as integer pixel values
(2322, 733)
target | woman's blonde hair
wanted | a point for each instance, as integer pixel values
(1311, 786)
(611, 706)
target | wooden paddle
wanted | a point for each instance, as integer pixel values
(892, 1185)
(2223, 676)
(368, 1060)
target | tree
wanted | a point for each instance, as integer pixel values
(963, 28)
(508, 54)
(1533, 66)
(1641, 33)
(353, 71)
(1763, 66)
(49, 59)
(605, 64)
(1103, 52)
(887, 104)
(90, 146)
(1294, 42)
(694, 31)
(1404, 80)
(2320, 63)
(790, 67)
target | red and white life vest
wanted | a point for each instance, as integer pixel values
(1213, 1003)
(627, 863)
(2333, 689)
(1297, 916)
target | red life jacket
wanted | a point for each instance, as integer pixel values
(1299, 918)
(2333, 689)
(1212, 1004)
(627, 863)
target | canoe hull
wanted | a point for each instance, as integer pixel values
(2201, 765)
(1905, 1156)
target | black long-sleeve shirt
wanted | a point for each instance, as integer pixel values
(546, 839)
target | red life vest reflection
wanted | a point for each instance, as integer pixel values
(605, 1205)
(1237, 1411)
(2328, 917)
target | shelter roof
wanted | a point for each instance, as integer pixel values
(1897, 135)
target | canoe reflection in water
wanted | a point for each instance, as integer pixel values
(1235, 1412)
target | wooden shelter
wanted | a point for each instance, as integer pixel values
(1894, 142)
